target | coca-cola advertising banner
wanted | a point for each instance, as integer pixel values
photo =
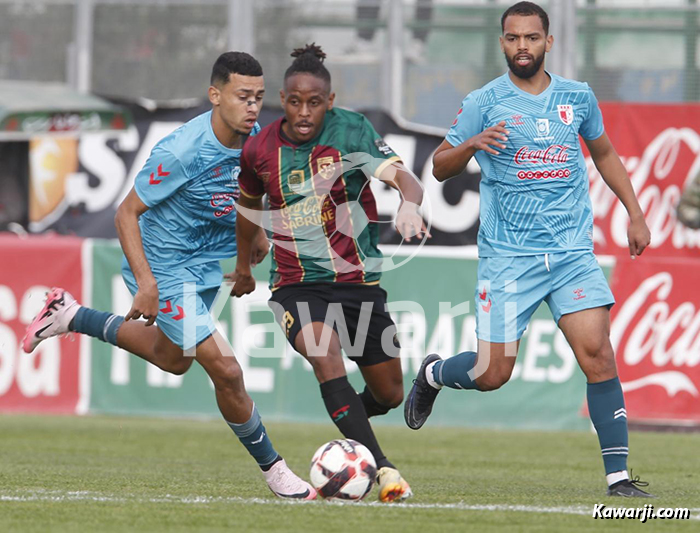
(660, 147)
(48, 379)
(656, 322)
(656, 335)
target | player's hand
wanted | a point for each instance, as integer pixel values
(242, 283)
(491, 138)
(145, 304)
(410, 223)
(260, 248)
(638, 236)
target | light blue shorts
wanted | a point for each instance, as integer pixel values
(510, 289)
(185, 296)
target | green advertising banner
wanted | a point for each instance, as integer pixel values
(431, 298)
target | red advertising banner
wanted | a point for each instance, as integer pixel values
(655, 331)
(656, 322)
(46, 380)
(660, 147)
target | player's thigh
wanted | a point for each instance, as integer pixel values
(578, 284)
(170, 353)
(509, 290)
(588, 334)
(580, 304)
(320, 346)
(296, 306)
(368, 334)
(184, 298)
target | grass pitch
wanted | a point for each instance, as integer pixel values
(125, 474)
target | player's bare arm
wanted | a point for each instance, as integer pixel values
(261, 247)
(127, 223)
(248, 229)
(615, 176)
(449, 161)
(409, 221)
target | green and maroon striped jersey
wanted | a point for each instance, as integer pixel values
(321, 211)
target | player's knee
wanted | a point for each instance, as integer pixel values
(179, 367)
(228, 376)
(599, 361)
(326, 364)
(493, 380)
(391, 398)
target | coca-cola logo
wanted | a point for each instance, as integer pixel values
(556, 153)
(658, 336)
(658, 176)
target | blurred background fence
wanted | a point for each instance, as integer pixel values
(415, 58)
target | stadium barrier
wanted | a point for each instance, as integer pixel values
(433, 314)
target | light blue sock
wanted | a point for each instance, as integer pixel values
(253, 436)
(454, 372)
(606, 406)
(98, 324)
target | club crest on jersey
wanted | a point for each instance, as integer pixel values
(326, 166)
(566, 113)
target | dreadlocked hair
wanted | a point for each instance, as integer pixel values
(309, 60)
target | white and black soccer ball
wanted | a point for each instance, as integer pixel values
(343, 470)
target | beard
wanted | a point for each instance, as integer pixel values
(527, 71)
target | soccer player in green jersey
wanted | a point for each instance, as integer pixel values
(314, 164)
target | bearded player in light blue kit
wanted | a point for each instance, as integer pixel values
(175, 226)
(535, 239)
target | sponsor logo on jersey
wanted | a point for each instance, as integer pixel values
(516, 120)
(556, 153)
(566, 113)
(310, 211)
(485, 306)
(579, 294)
(542, 126)
(223, 202)
(543, 175)
(161, 174)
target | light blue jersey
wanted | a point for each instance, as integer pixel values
(190, 184)
(534, 194)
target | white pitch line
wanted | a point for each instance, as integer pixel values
(87, 496)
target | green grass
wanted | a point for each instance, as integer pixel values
(125, 474)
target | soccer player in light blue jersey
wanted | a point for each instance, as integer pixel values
(535, 239)
(175, 226)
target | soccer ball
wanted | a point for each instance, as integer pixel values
(343, 470)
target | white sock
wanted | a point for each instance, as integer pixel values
(429, 376)
(616, 476)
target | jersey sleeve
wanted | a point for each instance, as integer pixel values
(162, 176)
(592, 126)
(469, 122)
(248, 182)
(376, 153)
